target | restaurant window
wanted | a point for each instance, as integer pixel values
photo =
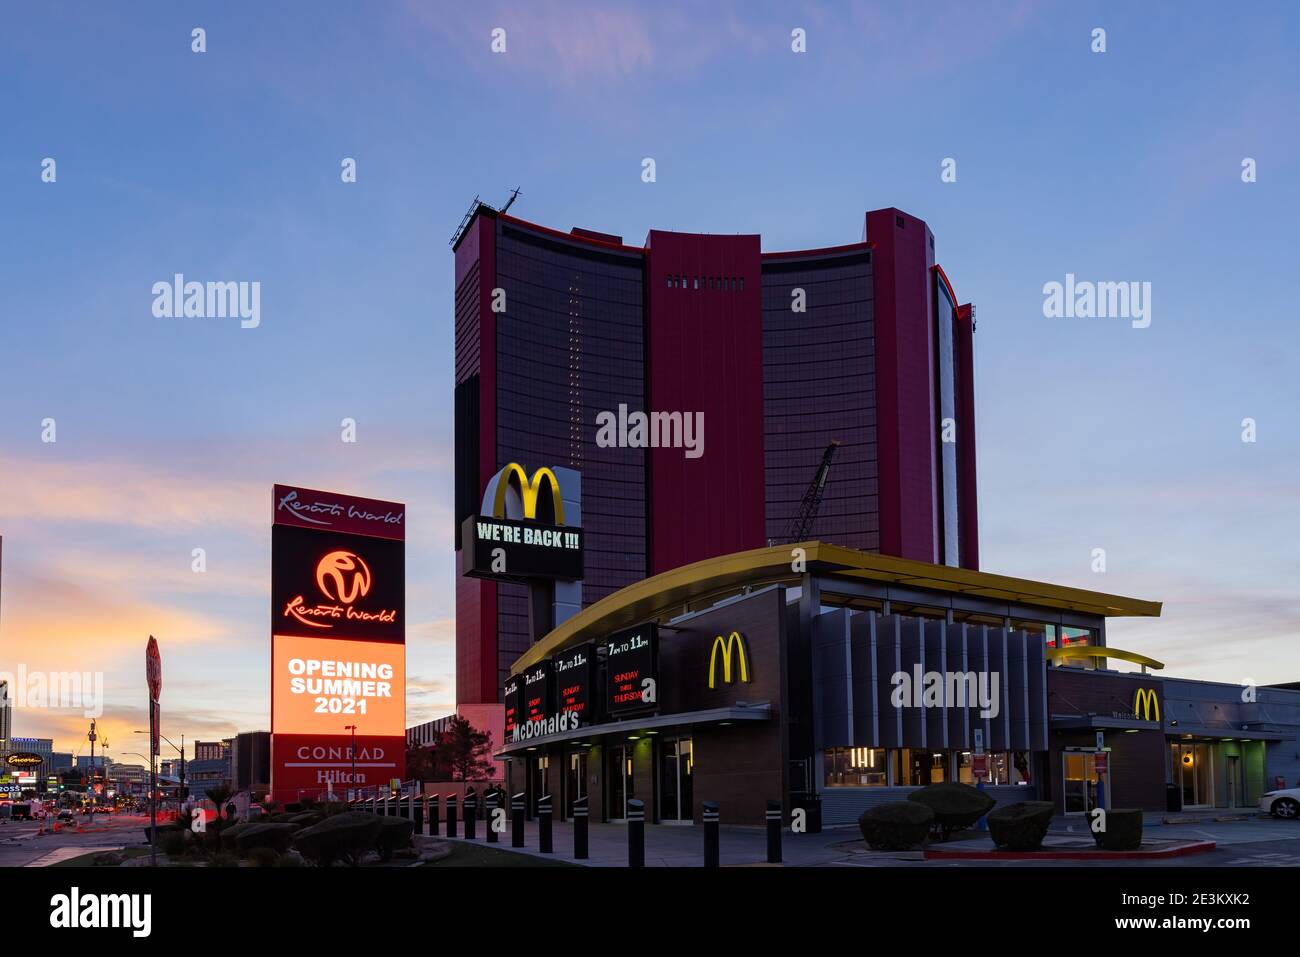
(855, 767)
(917, 767)
(1063, 636)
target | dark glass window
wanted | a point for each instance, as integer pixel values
(819, 384)
(571, 345)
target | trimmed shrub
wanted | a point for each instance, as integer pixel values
(898, 826)
(1123, 830)
(263, 857)
(224, 859)
(342, 837)
(230, 835)
(306, 818)
(173, 841)
(394, 833)
(1021, 826)
(274, 836)
(955, 806)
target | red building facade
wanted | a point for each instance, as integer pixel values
(781, 352)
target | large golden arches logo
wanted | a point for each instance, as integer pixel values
(529, 490)
(734, 640)
(1144, 702)
(342, 576)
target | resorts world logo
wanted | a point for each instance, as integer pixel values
(291, 503)
(733, 643)
(343, 578)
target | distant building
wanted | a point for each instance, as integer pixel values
(200, 776)
(212, 750)
(250, 761)
(129, 777)
(42, 746)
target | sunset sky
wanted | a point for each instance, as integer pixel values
(1119, 166)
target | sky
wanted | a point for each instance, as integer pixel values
(1119, 166)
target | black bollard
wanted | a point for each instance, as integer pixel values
(774, 832)
(434, 813)
(517, 820)
(471, 814)
(417, 813)
(451, 815)
(580, 829)
(544, 825)
(711, 853)
(635, 833)
(492, 836)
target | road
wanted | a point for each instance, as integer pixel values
(22, 844)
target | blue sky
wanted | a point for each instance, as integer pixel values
(1115, 166)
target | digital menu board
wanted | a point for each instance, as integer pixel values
(575, 672)
(632, 675)
(538, 690)
(513, 698)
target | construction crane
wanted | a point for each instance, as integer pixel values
(802, 522)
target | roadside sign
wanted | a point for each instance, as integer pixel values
(1100, 761)
(1101, 740)
(153, 668)
(980, 766)
(979, 740)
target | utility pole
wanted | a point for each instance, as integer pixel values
(92, 737)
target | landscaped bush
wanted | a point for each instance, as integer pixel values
(263, 857)
(224, 859)
(1123, 830)
(394, 833)
(306, 818)
(274, 836)
(230, 835)
(899, 826)
(342, 837)
(1021, 826)
(173, 841)
(955, 806)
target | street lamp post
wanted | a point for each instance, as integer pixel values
(353, 750)
(180, 751)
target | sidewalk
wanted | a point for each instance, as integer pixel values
(671, 845)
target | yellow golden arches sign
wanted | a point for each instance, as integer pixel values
(529, 490)
(1145, 702)
(732, 641)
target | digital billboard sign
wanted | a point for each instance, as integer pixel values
(333, 585)
(631, 679)
(509, 549)
(539, 692)
(338, 653)
(513, 699)
(575, 673)
(320, 686)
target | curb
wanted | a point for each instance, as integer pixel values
(1182, 850)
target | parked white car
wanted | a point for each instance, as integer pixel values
(1284, 804)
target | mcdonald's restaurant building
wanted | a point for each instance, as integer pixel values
(843, 679)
